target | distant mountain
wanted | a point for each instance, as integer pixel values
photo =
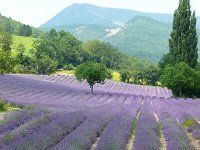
(90, 14)
(86, 14)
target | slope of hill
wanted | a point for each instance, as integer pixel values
(8, 24)
(26, 41)
(143, 37)
(83, 32)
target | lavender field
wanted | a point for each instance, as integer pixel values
(60, 114)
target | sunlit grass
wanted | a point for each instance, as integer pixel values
(8, 106)
(188, 122)
(26, 41)
(65, 72)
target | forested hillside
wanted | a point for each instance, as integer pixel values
(143, 37)
(83, 32)
(16, 28)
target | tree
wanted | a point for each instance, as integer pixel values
(7, 62)
(9, 28)
(25, 30)
(125, 75)
(6, 41)
(102, 52)
(21, 49)
(179, 78)
(91, 72)
(183, 39)
(46, 65)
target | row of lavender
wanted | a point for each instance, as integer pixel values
(55, 96)
(102, 121)
(105, 127)
(109, 86)
(42, 129)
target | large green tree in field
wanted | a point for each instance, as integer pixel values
(91, 72)
(179, 78)
(183, 39)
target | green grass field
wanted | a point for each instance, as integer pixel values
(4, 106)
(26, 41)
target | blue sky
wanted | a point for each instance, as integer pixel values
(37, 12)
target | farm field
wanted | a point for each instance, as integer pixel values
(60, 114)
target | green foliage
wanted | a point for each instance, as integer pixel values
(2, 104)
(68, 67)
(62, 47)
(8, 106)
(142, 37)
(25, 30)
(183, 40)
(181, 78)
(139, 72)
(102, 52)
(91, 72)
(116, 76)
(7, 61)
(5, 41)
(188, 122)
(151, 75)
(109, 74)
(83, 32)
(26, 41)
(45, 65)
(125, 75)
(16, 28)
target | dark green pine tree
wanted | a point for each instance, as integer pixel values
(192, 53)
(183, 40)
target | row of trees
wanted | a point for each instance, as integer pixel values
(147, 75)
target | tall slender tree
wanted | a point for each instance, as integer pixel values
(183, 39)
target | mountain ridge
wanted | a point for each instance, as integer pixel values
(85, 14)
(92, 14)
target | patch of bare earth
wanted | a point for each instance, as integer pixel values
(129, 146)
(194, 142)
(162, 138)
(93, 147)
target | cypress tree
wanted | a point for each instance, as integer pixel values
(183, 39)
(192, 52)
